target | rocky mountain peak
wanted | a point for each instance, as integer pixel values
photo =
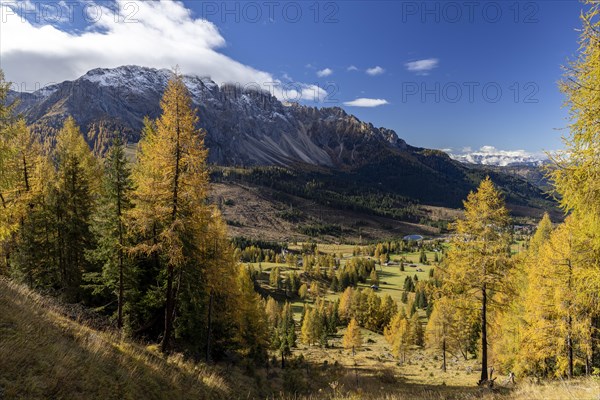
(244, 126)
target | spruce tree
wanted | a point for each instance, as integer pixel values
(110, 227)
(76, 191)
(285, 338)
(404, 297)
(423, 256)
(252, 331)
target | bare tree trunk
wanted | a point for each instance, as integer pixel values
(570, 347)
(121, 243)
(121, 291)
(168, 311)
(570, 325)
(484, 361)
(209, 328)
(595, 339)
(25, 174)
(587, 365)
(444, 354)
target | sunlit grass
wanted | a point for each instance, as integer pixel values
(45, 355)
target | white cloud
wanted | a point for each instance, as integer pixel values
(375, 71)
(422, 67)
(294, 92)
(364, 102)
(158, 34)
(352, 68)
(324, 72)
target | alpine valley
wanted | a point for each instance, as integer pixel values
(282, 167)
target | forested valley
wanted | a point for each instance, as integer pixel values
(124, 255)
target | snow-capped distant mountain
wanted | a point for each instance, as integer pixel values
(489, 155)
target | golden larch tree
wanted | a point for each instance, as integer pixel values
(171, 183)
(575, 172)
(352, 337)
(479, 258)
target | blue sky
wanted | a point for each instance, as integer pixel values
(451, 75)
(474, 49)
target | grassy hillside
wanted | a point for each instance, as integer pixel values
(46, 355)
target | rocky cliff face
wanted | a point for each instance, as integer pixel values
(252, 128)
(244, 127)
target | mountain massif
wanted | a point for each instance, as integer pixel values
(245, 127)
(253, 129)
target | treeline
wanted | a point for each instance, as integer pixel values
(241, 243)
(336, 190)
(388, 247)
(136, 241)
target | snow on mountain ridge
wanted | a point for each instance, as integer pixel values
(489, 155)
(128, 77)
(245, 125)
(139, 79)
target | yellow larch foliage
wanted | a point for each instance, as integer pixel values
(352, 337)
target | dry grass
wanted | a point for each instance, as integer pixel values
(374, 374)
(586, 389)
(256, 211)
(578, 389)
(45, 355)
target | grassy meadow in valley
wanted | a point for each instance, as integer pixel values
(173, 225)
